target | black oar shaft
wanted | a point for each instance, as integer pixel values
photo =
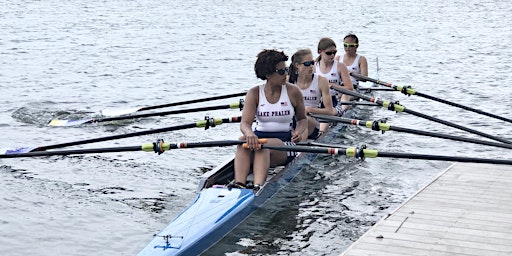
(357, 103)
(194, 101)
(464, 107)
(369, 79)
(431, 118)
(414, 92)
(148, 147)
(72, 152)
(445, 158)
(460, 127)
(370, 153)
(387, 127)
(115, 137)
(307, 149)
(450, 137)
(204, 123)
(165, 113)
(371, 89)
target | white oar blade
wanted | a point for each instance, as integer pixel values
(15, 151)
(119, 112)
(57, 122)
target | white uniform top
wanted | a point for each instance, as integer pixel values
(332, 75)
(353, 68)
(312, 95)
(274, 117)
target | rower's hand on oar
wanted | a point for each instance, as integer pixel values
(296, 136)
(252, 142)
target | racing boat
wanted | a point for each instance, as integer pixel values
(219, 207)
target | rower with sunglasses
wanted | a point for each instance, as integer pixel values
(336, 73)
(355, 62)
(273, 104)
(314, 88)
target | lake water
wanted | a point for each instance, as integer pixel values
(71, 59)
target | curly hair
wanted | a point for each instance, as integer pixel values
(267, 61)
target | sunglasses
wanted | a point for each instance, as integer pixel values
(308, 63)
(283, 71)
(349, 45)
(331, 53)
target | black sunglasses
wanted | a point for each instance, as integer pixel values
(283, 71)
(331, 53)
(308, 63)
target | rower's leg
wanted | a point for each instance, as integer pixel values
(260, 166)
(242, 164)
(324, 127)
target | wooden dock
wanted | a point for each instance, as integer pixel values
(467, 210)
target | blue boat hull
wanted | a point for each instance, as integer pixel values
(214, 213)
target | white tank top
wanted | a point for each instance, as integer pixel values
(353, 68)
(332, 75)
(312, 95)
(276, 117)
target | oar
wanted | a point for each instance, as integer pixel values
(409, 91)
(158, 147)
(380, 126)
(118, 112)
(207, 123)
(319, 144)
(57, 122)
(371, 89)
(399, 108)
(362, 153)
(358, 103)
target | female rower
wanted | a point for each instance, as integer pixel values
(314, 88)
(274, 104)
(355, 62)
(336, 73)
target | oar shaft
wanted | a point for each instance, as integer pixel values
(73, 152)
(454, 104)
(357, 103)
(318, 150)
(401, 108)
(387, 127)
(370, 153)
(414, 92)
(194, 101)
(460, 127)
(171, 112)
(369, 79)
(450, 137)
(203, 144)
(445, 158)
(115, 137)
(371, 89)
(203, 123)
(157, 147)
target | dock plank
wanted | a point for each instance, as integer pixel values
(467, 210)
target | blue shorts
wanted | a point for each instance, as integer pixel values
(314, 134)
(286, 137)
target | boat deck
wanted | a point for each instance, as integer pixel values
(467, 210)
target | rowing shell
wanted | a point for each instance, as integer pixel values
(218, 209)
